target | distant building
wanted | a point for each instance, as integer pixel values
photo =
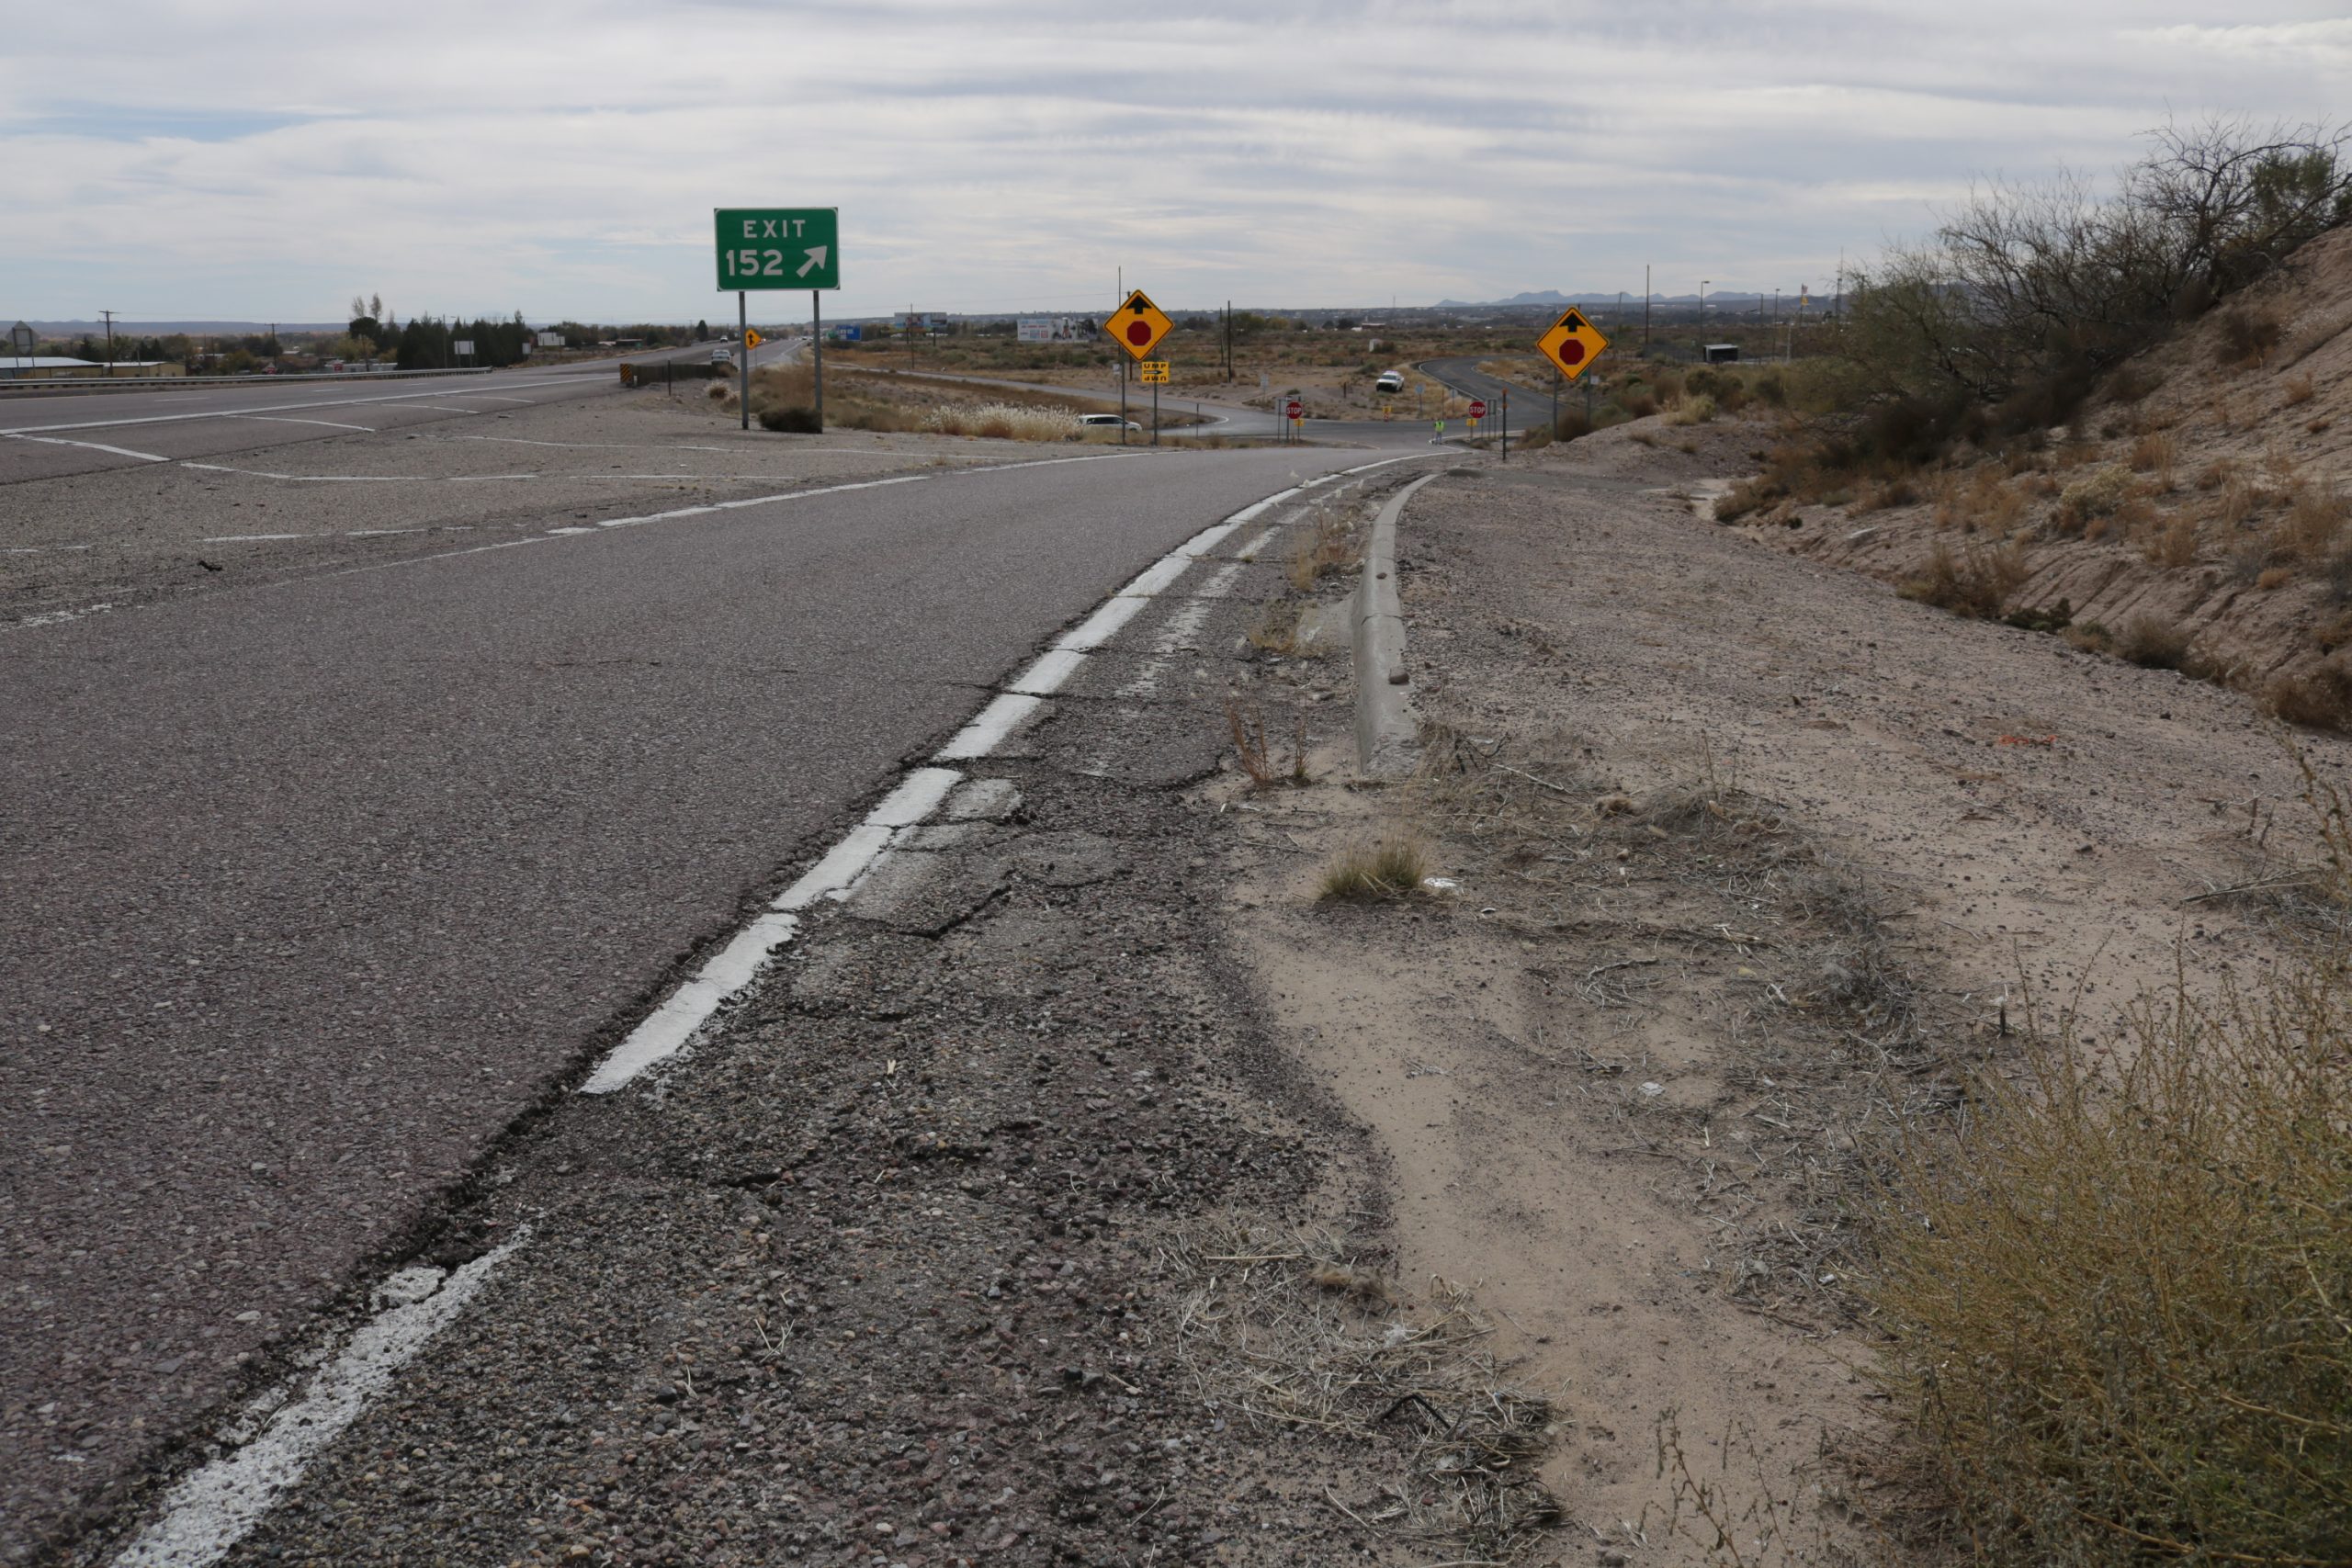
(1723, 352)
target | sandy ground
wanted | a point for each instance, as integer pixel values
(1753, 857)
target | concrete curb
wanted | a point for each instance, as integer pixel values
(1386, 733)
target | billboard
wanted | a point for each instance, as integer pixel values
(1044, 329)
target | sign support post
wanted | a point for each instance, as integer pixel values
(816, 350)
(1155, 413)
(1504, 414)
(778, 247)
(744, 363)
(1556, 402)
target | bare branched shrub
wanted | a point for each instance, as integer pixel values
(1247, 732)
(2029, 291)
(2315, 518)
(2174, 546)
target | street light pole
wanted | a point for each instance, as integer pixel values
(1703, 316)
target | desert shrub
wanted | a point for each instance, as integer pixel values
(2174, 546)
(1771, 391)
(1737, 502)
(1666, 386)
(1572, 425)
(2153, 642)
(2153, 453)
(2319, 697)
(797, 420)
(2115, 1295)
(2315, 515)
(2132, 382)
(1895, 493)
(1641, 405)
(2247, 334)
(2300, 389)
(2096, 494)
(1972, 581)
(2273, 577)
(1693, 407)
(1004, 421)
(2027, 293)
(718, 391)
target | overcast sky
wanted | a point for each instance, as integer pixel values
(268, 159)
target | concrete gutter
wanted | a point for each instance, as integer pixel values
(1386, 735)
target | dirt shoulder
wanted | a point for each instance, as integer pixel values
(1751, 857)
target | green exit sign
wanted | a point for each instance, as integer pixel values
(779, 247)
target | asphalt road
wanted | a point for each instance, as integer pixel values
(310, 887)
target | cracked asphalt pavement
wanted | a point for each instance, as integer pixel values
(324, 868)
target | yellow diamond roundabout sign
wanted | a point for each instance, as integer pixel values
(1138, 325)
(1573, 344)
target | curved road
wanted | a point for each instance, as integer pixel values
(311, 886)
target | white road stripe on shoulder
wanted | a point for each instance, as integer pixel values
(233, 413)
(90, 445)
(216, 1506)
(288, 419)
(674, 1024)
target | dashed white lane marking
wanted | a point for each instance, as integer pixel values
(234, 414)
(494, 398)
(90, 445)
(287, 419)
(213, 1508)
(254, 538)
(42, 549)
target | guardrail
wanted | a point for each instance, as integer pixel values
(68, 385)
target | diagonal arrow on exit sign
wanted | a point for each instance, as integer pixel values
(816, 259)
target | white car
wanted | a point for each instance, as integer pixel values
(721, 357)
(1106, 421)
(1390, 381)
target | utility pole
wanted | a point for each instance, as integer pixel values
(1645, 304)
(1703, 315)
(109, 316)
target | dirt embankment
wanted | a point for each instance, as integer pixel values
(1749, 860)
(2195, 512)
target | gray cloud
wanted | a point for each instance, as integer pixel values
(268, 159)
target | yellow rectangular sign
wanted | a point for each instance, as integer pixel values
(1155, 371)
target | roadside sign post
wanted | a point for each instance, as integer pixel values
(1503, 419)
(1293, 413)
(778, 247)
(1572, 345)
(1137, 325)
(1155, 372)
(21, 338)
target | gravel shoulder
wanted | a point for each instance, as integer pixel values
(1748, 857)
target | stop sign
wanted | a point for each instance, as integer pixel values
(1477, 408)
(1294, 408)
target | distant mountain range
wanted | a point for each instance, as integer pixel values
(165, 329)
(1599, 297)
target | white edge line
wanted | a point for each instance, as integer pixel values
(209, 1511)
(87, 446)
(669, 1028)
(258, 408)
(986, 731)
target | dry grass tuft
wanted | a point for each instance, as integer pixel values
(2300, 389)
(2315, 518)
(2175, 545)
(1328, 546)
(1975, 582)
(1691, 408)
(1299, 1332)
(2117, 1295)
(1004, 421)
(2156, 453)
(1392, 868)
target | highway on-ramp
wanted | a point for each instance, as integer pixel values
(318, 870)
